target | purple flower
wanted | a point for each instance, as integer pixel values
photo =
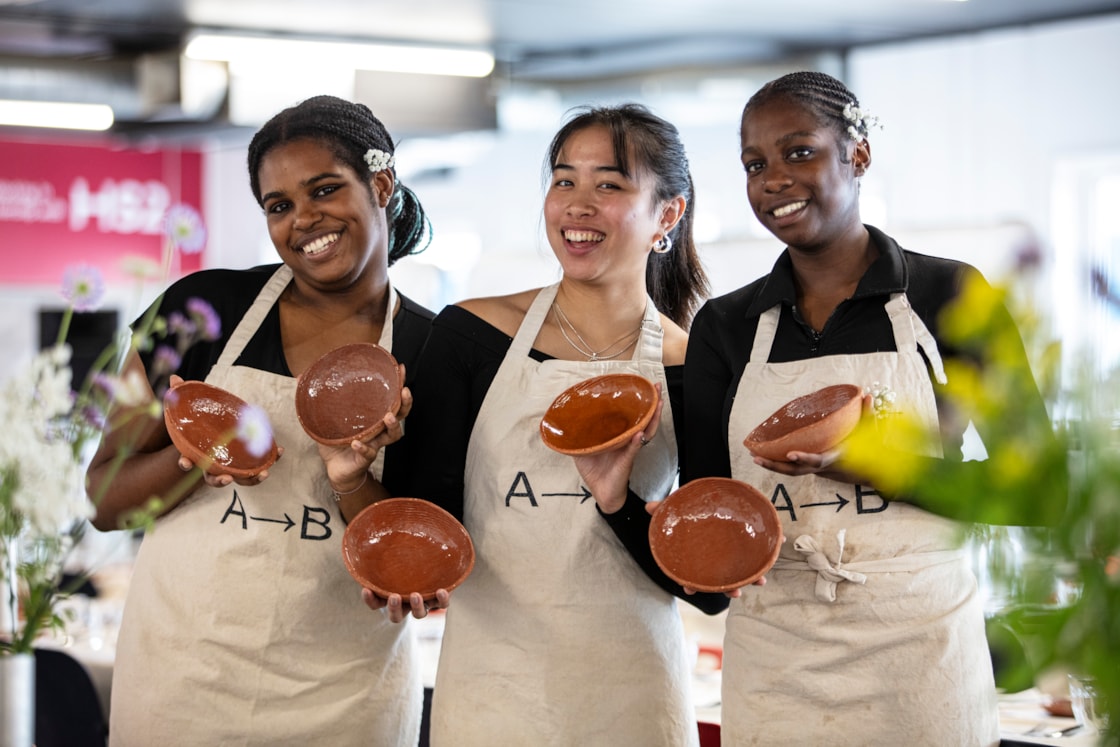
(206, 320)
(95, 417)
(104, 383)
(171, 398)
(166, 359)
(178, 324)
(254, 430)
(83, 287)
(184, 228)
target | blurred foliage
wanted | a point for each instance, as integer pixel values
(1060, 582)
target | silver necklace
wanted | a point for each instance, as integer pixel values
(586, 350)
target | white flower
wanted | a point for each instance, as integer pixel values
(35, 443)
(862, 121)
(882, 400)
(254, 430)
(129, 390)
(379, 160)
(140, 268)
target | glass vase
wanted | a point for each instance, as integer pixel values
(17, 700)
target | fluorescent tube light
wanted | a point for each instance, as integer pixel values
(55, 114)
(394, 58)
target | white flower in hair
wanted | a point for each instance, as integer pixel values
(379, 160)
(862, 120)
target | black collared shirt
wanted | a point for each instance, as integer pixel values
(723, 332)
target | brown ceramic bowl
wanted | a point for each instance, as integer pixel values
(813, 423)
(598, 414)
(202, 422)
(715, 534)
(1058, 707)
(406, 545)
(347, 393)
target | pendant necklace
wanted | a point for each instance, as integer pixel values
(586, 350)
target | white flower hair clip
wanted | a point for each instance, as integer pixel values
(379, 160)
(862, 120)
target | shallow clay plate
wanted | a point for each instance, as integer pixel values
(407, 545)
(598, 414)
(715, 534)
(347, 393)
(202, 422)
(813, 423)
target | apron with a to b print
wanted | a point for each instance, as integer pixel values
(557, 637)
(242, 626)
(869, 630)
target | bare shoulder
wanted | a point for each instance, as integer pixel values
(674, 344)
(504, 312)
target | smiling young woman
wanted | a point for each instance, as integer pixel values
(574, 642)
(870, 629)
(242, 624)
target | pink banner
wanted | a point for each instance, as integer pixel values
(63, 204)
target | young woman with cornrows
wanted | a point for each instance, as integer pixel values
(560, 635)
(242, 625)
(870, 629)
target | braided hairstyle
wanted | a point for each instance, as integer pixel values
(820, 93)
(348, 130)
(643, 141)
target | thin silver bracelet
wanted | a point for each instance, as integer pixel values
(338, 496)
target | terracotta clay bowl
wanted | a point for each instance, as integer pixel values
(202, 422)
(813, 423)
(715, 534)
(346, 393)
(407, 545)
(598, 414)
(1059, 707)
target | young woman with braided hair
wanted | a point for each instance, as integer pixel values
(869, 630)
(242, 625)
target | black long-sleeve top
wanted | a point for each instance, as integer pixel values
(452, 378)
(723, 331)
(231, 293)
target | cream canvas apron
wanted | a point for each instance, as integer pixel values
(558, 637)
(869, 630)
(242, 626)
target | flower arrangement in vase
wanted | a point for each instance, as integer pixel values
(1059, 586)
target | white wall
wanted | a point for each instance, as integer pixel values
(975, 125)
(1008, 129)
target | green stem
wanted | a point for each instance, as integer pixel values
(64, 325)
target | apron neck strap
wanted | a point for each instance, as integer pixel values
(533, 321)
(764, 334)
(386, 340)
(249, 323)
(910, 333)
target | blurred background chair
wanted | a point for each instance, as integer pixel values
(709, 734)
(67, 709)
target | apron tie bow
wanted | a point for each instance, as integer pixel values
(828, 575)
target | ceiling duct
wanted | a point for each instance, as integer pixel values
(147, 92)
(87, 82)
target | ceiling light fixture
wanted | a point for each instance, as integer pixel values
(53, 114)
(260, 51)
